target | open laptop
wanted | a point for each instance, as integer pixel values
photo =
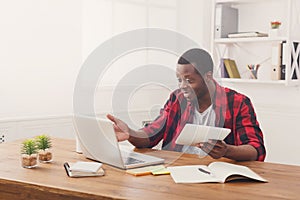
(98, 142)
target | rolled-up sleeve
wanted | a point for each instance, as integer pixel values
(248, 130)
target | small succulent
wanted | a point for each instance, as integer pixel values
(43, 142)
(29, 147)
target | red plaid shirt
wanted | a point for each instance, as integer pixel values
(233, 110)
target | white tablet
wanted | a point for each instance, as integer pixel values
(194, 133)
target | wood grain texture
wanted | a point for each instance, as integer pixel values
(49, 181)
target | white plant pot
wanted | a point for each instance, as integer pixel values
(274, 32)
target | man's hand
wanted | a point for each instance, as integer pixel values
(121, 128)
(214, 148)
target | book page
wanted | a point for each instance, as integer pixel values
(224, 170)
(192, 174)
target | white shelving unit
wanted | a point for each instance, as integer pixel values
(256, 15)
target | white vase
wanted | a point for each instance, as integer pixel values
(78, 148)
(274, 32)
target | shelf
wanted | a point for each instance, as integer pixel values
(249, 39)
(239, 80)
(255, 81)
(241, 1)
(271, 51)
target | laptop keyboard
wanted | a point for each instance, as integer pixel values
(130, 161)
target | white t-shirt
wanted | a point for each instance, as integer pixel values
(205, 118)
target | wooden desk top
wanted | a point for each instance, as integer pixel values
(49, 181)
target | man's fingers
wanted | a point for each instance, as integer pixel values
(117, 129)
(206, 147)
(110, 117)
(209, 149)
(198, 144)
(113, 119)
(214, 148)
(216, 143)
(209, 146)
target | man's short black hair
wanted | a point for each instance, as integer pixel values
(200, 58)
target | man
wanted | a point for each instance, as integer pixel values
(201, 100)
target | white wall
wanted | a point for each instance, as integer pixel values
(103, 19)
(194, 20)
(44, 43)
(40, 56)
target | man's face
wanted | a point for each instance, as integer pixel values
(190, 82)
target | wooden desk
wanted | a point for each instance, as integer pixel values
(49, 181)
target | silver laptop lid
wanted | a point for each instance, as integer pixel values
(98, 141)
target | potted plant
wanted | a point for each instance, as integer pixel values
(274, 31)
(275, 24)
(29, 153)
(44, 144)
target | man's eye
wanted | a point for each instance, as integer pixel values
(189, 81)
(179, 80)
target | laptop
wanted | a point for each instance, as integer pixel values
(98, 141)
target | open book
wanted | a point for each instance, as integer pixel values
(82, 169)
(215, 172)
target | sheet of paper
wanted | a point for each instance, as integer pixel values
(193, 133)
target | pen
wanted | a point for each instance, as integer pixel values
(204, 171)
(257, 66)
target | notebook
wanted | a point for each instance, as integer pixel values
(84, 169)
(92, 167)
(98, 141)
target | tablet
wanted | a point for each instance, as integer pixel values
(194, 133)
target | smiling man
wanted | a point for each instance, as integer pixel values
(201, 100)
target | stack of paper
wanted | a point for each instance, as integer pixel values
(247, 34)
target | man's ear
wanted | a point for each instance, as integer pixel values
(208, 76)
